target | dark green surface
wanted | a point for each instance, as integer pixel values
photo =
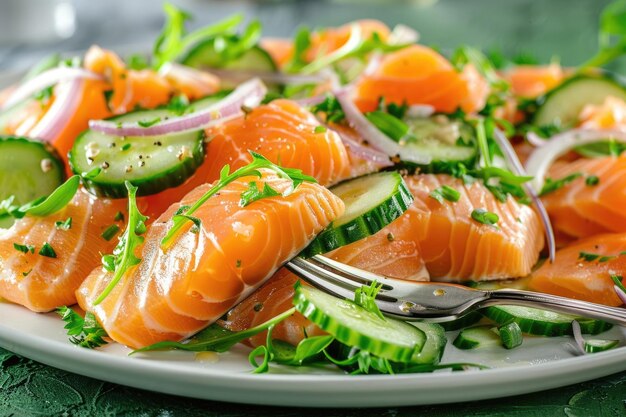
(28, 388)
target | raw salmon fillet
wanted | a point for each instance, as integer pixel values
(172, 294)
(42, 283)
(284, 133)
(590, 280)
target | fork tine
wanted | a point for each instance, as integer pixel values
(359, 275)
(303, 269)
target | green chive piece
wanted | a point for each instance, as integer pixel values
(592, 180)
(485, 217)
(24, 248)
(110, 232)
(64, 225)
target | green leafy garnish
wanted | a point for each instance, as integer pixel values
(64, 225)
(390, 125)
(24, 248)
(301, 44)
(485, 217)
(252, 169)
(148, 123)
(253, 193)
(47, 251)
(119, 217)
(110, 232)
(618, 280)
(123, 256)
(552, 185)
(592, 180)
(174, 39)
(590, 257)
(445, 192)
(611, 37)
(137, 62)
(365, 297)
(84, 332)
(331, 108)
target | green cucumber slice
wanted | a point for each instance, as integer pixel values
(465, 321)
(355, 326)
(205, 55)
(562, 105)
(372, 202)
(599, 345)
(511, 335)
(475, 337)
(445, 140)
(543, 322)
(152, 163)
(436, 342)
(29, 169)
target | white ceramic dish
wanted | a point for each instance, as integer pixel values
(541, 363)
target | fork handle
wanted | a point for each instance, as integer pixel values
(555, 303)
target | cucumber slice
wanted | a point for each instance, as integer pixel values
(511, 335)
(443, 139)
(152, 163)
(205, 55)
(436, 341)
(562, 105)
(475, 337)
(29, 169)
(372, 202)
(543, 322)
(599, 345)
(465, 321)
(355, 326)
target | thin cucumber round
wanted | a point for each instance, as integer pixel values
(511, 335)
(355, 326)
(465, 321)
(599, 345)
(436, 341)
(562, 105)
(372, 202)
(445, 140)
(152, 163)
(477, 337)
(29, 169)
(205, 55)
(543, 322)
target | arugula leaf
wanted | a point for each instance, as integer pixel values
(84, 332)
(485, 217)
(552, 185)
(216, 339)
(301, 44)
(611, 37)
(390, 125)
(43, 206)
(258, 161)
(123, 256)
(253, 193)
(331, 108)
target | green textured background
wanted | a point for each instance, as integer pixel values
(546, 28)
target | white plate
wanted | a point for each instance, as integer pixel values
(539, 364)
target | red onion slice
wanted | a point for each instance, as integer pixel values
(45, 80)
(542, 158)
(365, 152)
(67, 99)
(535, 140)
(239, 76)
(373, 136)
(620, 293)
(516, 166)
(578, 337)
(248, 94)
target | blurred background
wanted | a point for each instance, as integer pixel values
(567, 29)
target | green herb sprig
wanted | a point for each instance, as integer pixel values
(84, 332)
(252, 169)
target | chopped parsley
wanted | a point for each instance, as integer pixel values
(485, 217)
(83, 332)
(590, 257)
(119, 217)
(64, 225)
(24, 248)
(252, 193)
(331, 108)
(148, 123)
(110, 232)
(126, 146)
(47, 251)
(320, 129)
(592, 180)
(553, 185)
(445, 192)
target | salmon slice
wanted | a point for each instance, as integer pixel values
(578, 210)
(284, 133)
(42, 283)
(419, 75)
(573, 277)
(173, 294)
(530, 81)
(611, 114)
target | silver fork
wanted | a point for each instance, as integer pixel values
(436, 301)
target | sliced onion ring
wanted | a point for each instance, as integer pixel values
(535, 140)
(238, 76)
(620, 293)
(249, 94)
(542, 158)
(578, 337)
(372, 135)
(516, 166)
(67, 99)
(46, 79)
(365, 152)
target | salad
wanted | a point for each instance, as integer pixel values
(152, 200)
